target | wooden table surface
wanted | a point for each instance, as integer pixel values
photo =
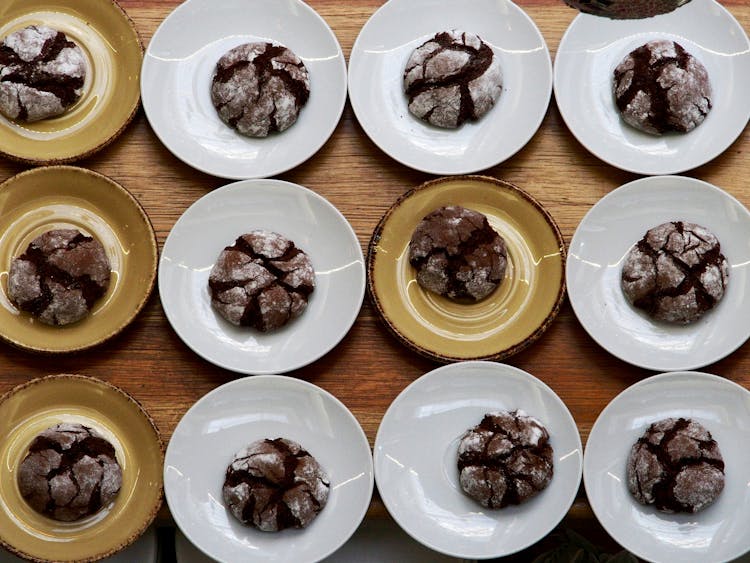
(369, 367)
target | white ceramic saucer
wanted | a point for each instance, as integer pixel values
(214, 222)
(176, 80)
(606, 234)
(593, 46)
(238, 413)
(416, 453)
(376, 69)
(377, 540)
(716, 534)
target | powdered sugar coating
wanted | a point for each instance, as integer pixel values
(263, 281)
(677, 466)
(70, 472)
(458, 254)
(259, 88)
(275, 484)
(506, 459)
(452, 78)
(42, 73)
(676, 273)
(660, 87)
(59, 276)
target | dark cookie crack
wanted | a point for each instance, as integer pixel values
(50, 273)
(280, 491)
(663, 489)
(261, 290)
(479, 61)
(48, 83)
(72, 465)
(473, 257)
(691, 274)
(520, 468)
(649, 68)
(254, 109)
(678, 267)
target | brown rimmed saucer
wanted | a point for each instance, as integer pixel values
(32, 407)
(111, 94)
(54, 197)
(504, 323)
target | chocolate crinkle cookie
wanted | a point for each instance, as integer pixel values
(676, 466)
(626, 9)
(42, 73)
(458, 254)
(505, 459)
(452, 78)
(59, 277)
(259, 88)
(660, 87)
(69, 473)
(275, 484)
(263, 280)
(676, 272)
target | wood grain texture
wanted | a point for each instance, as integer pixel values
(369, 368)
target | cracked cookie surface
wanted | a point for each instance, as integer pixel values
(458, 254)
(626, 9)
(263, 280)
(676, 466)
(506, 459)
(452, 78)
(59, 277)
(275, 484)
(69, 473)
(676, 272)
(42, 73)
(259, 88)
(660, 87)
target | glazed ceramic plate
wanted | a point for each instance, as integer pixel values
(505, 322)
(34, 406)
(593, 46)
(111, 93)
(179, 66)
(717, 533)
(68, 197)
(416, 451)
(376, 70)
(605, 236)
(144, 550)
(213, 223)
(377, 540)
(245, 410)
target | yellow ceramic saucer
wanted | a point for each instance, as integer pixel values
(505, 322)
(54, 197)
(112, 89)
(34, 406)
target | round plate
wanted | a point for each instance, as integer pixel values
(213, 223)
(179, 65)
(593, 46)
(376, 71)
(378, 539)
(111, 94)
(57, 197)
(605, 236)
(30, 408)
(504, 323)
(416, 450)
(249, 409)
(144, 550)
(717, 533)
